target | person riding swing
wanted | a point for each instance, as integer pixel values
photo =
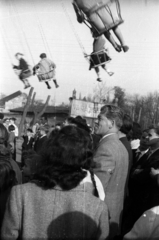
(103, 16)
(45, 70)
(22, 70)
(100, 56)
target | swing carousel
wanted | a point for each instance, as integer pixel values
(96, 59)
(26, 73)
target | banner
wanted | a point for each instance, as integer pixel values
(85, 109)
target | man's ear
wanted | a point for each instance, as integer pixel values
(111, 123)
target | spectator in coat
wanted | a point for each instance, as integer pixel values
(145, 189)
(28, 140)
(39, 143)
(123, 132)
(111, 159)
(5, 152)
(12, 122)
(56, 204)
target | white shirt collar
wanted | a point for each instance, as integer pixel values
(106, 136)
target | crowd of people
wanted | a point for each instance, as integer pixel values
(80, 182)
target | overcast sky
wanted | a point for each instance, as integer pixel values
(50, 26)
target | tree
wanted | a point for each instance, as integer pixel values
(119, 96)
(101, 92)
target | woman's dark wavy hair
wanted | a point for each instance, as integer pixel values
(7, 176)
(64, 158)
(4, 136)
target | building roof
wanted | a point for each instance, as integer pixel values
(49, 109)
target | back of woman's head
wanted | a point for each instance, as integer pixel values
(3, 135)
(7, 175)
(65, 156)
(69, 147)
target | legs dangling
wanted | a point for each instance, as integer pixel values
(26, 83)
(48, 85)
(119, 36)
(56, 85)
(107, 69)
(110, 38)
(98, 74)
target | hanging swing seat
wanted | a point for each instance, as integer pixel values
(23, 74)
(26, 74)
(98, 58)
(104, 15)
(48, 76)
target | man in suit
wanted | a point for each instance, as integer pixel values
(111, 158)
(41, 139)
(142, 149)
(122, 133)
(28, 140)
(145, 189)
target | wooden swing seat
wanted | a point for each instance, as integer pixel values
(48, 76)
(98, 58)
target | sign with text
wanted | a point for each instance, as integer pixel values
(85, 109)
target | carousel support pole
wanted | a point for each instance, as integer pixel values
(19, 140)
(36, 116)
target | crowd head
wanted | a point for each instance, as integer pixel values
(65, 159)
(110, 120)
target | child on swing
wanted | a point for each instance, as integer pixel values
(103, 16)
(99, 56)
(22, 70)
(44, 67)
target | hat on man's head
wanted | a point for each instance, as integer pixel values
(6, 120)
(43, 55)
(18, 54)
(29, 130)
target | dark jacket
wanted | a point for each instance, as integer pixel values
(39, 143)
(28, 143)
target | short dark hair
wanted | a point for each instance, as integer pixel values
(31, 158)
(18, 54)
(1, 116)
(64, 158)
(127, 124)
(136, 131)
(43, 55)
(113, 112)
(81, 123)
(29, 130)
(11, 128)
(45, 128)
(156, 129)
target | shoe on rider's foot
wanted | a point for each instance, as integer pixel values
(125, 48)
(27, 86)
(49, 87)
(110, 73)
(99, 80)
(118, 48)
